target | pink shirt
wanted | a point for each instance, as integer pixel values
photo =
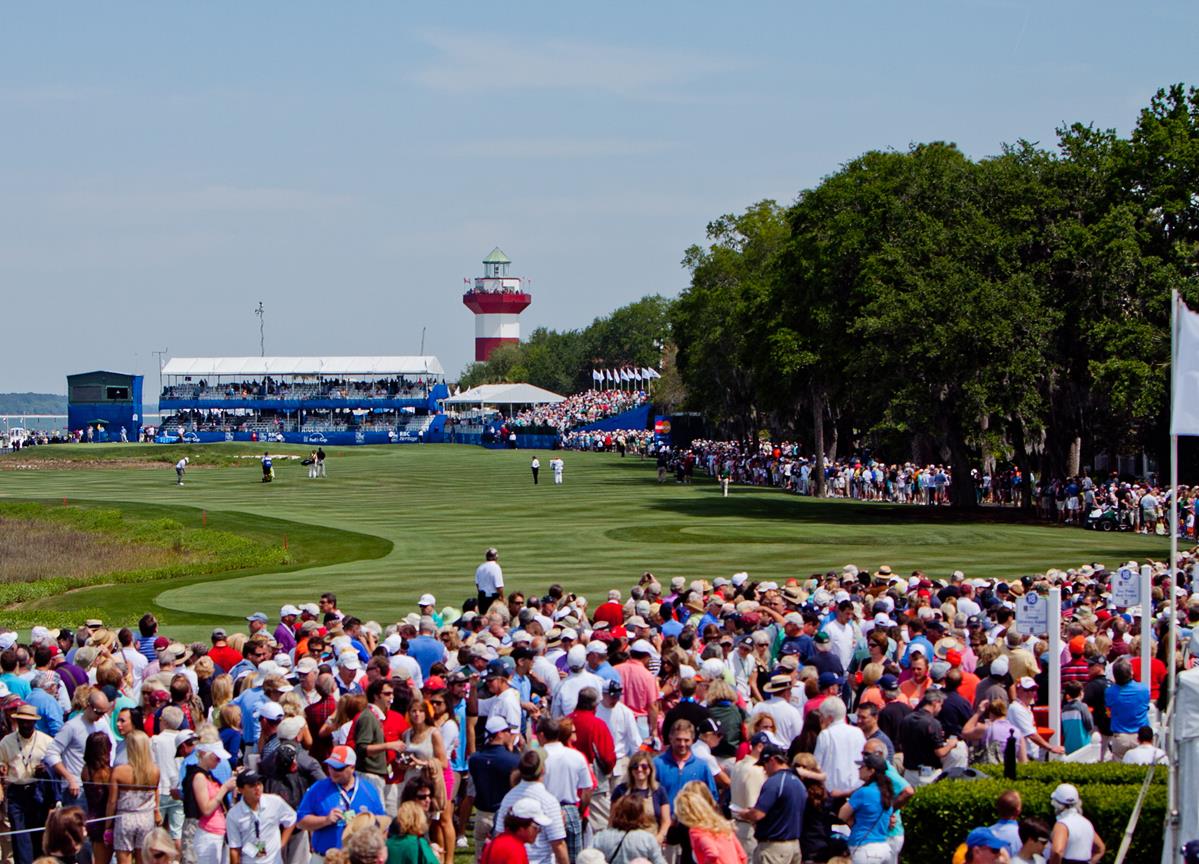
(214, 822)
(640, 687)
(708, 847)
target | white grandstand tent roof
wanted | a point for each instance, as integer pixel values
(505, 394)
(257, 367)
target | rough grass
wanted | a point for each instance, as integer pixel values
(31, 550)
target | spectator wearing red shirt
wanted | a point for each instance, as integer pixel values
(317, 713)
(521, 826)
(1157, 670)
(592, 737)
(220, 652)
(611, 613)
(1078, 668)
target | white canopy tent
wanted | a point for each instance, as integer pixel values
(504, 394)
(328, 367)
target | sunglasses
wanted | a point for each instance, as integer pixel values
(640, 767)
(423, 797)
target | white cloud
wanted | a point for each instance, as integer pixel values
(474, 62)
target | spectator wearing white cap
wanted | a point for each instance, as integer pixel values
(426, 604)
(349, 673)
(577, 677)
(285, 633)
(1020, 715)
(597, 661)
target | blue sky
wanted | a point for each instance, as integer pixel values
(165, 166)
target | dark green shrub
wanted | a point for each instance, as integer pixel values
(940, 816)
(1111, 773)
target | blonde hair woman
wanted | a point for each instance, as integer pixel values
(408, 845)
(133, 797)
(293, 706)
(222, 695)
(712, 837)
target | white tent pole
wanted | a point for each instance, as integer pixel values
(1146, 623)
(1172, 838)
(1055, 665)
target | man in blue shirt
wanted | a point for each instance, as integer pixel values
(675, 768)
(426, 649)
(678, 766)
(1128, 703)
(778, 813)
(330, 804)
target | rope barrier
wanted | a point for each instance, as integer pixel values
(170, 805)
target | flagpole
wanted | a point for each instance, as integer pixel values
(1172, 838)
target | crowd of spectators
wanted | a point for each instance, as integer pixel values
(678, 719)
(578, 409)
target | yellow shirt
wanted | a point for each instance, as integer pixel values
(23, 756)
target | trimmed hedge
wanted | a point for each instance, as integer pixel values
(939, 817)
(1107, 773)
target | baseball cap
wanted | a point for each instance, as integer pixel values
(888, 682)
(306, 665)
(528, 808)
(829, 679)
(183, 736)
(641, 646)
(759, 738)
(269, 711)
(822, 637)
(248, 778)
(258, 616)
(1027, 683)
(595, 646)
(986, 838)
(771, 751)
(615, 688)
(496, 669)
(426, 600)
(342, 757)
(496, 724)
(1065, 794)
(288, 609)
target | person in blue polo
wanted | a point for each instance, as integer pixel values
(677, 767)
(1127, 701)
(330, 803)
(778, 813)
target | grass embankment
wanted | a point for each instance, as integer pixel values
(110, 561)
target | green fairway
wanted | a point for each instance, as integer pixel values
(390, 523)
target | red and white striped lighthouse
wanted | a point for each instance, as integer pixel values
(497, 300)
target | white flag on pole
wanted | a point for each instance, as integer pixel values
(650, 373)
(1184, 397)
(636, 374)
(624, 374)
(596, 375)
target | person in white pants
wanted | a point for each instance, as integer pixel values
(557, 465)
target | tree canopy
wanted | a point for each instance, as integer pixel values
(938, 308)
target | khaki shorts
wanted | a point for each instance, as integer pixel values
(777, 852)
